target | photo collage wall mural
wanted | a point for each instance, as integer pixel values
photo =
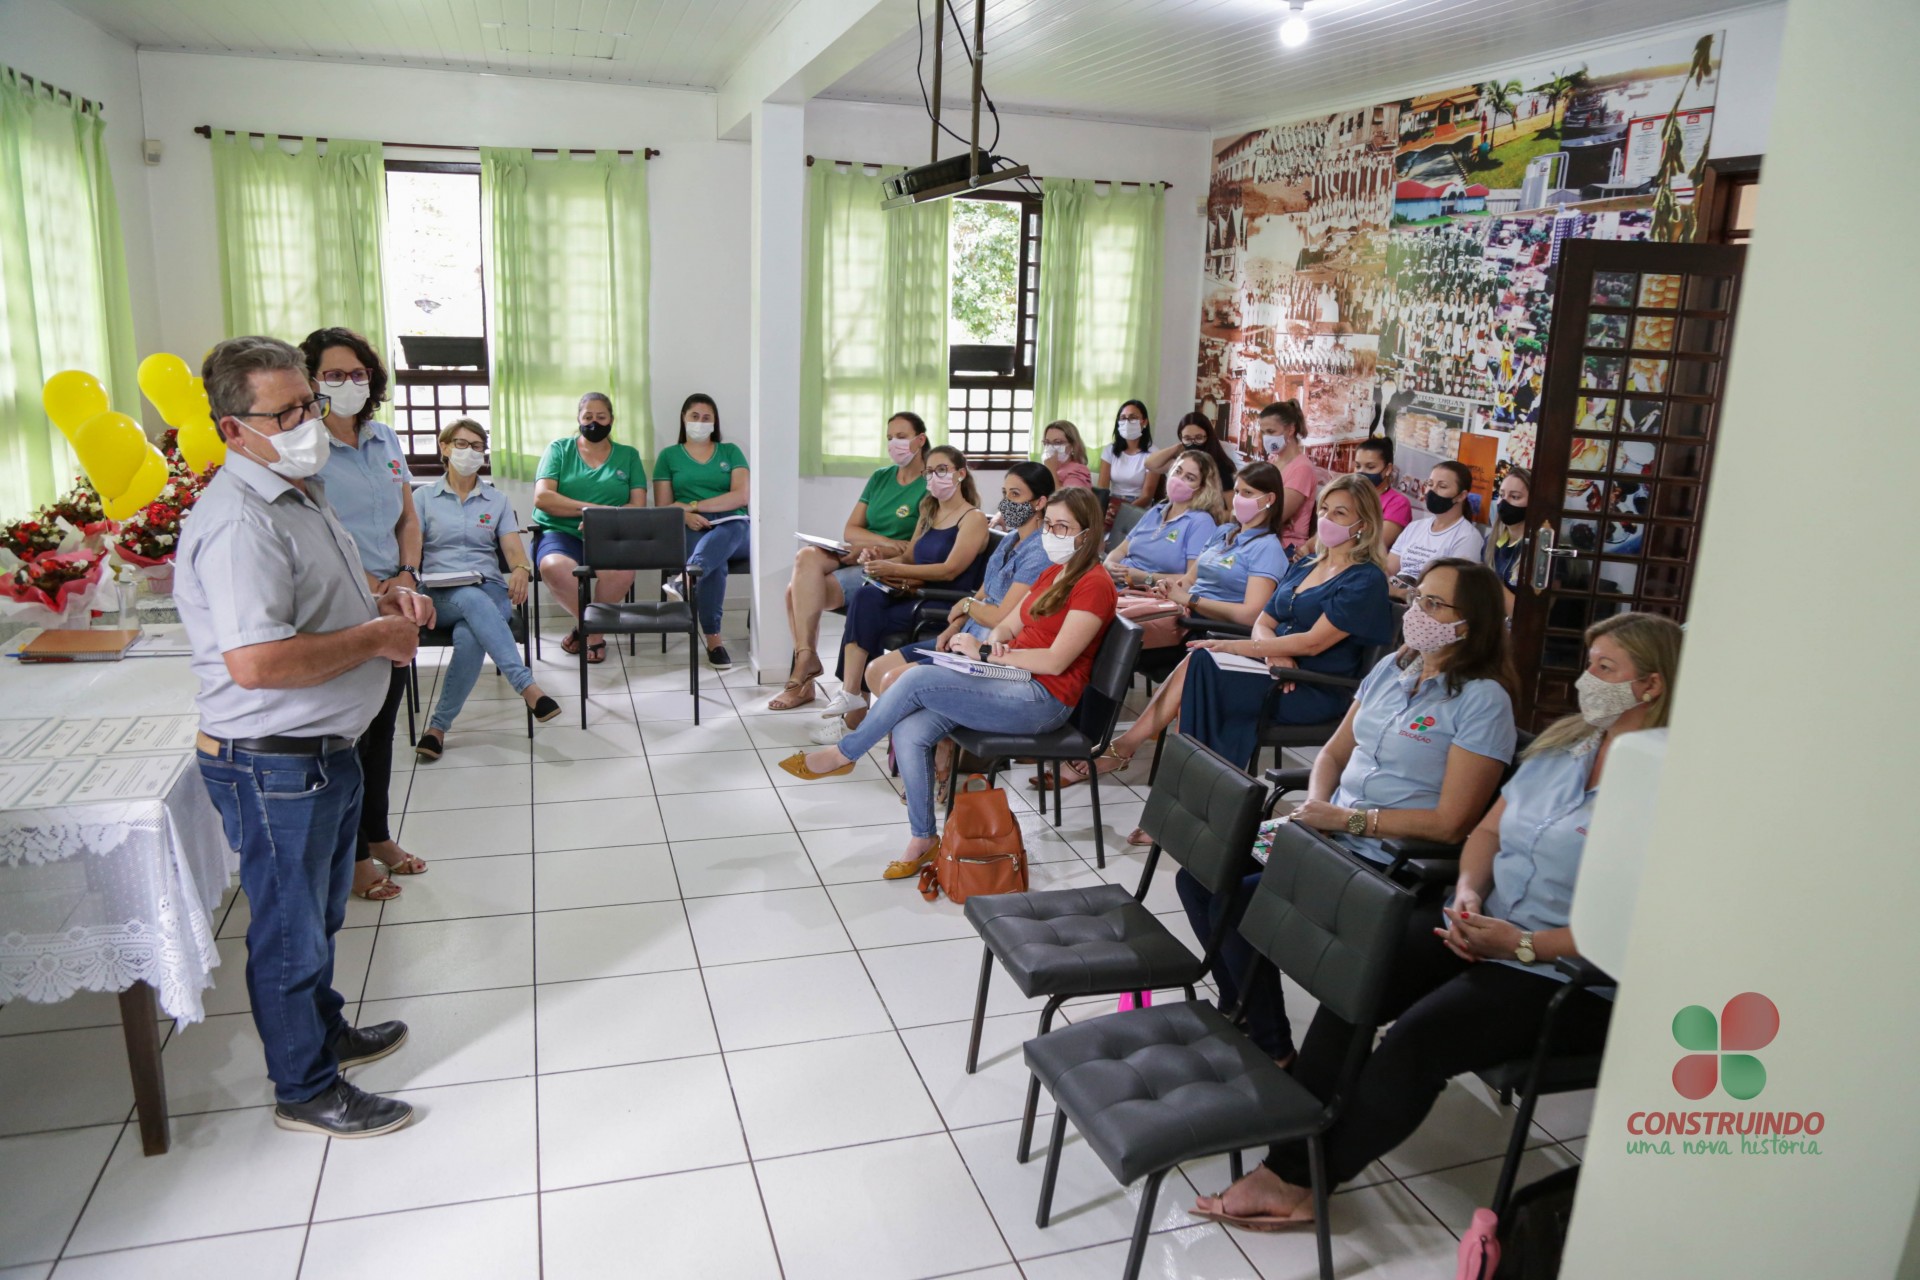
(1391, 267)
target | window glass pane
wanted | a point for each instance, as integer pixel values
(433, 256)
(984, 258)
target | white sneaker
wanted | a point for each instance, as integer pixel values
(671, 589)
(828, 732)
(843, 703)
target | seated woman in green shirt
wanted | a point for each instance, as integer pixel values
(879, 528)
(708, 479)
(578, 472)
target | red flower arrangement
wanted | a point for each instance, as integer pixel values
(150, 536)
(80, 507)
(34, 536)
(52, 579)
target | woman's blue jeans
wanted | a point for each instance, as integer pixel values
(478, 617)
(925, 704)
(708, 550)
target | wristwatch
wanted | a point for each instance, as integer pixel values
(966, 606)
(1524, 952)
(413, 569)
(1357, 823)
(1152, 582)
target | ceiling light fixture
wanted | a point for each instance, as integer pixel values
(1294, 31)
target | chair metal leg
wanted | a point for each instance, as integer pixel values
(1159, 741)
(413, 683)
(1142, 1224)
(1033, 1084)
(1056, 793)
(979, 1009)
(533, 631)
(1052, 1171)
(582, 658)
(1516, 1147)
(1322, 1227)
(1236, 1164)
(1099, 831)
(693, 671)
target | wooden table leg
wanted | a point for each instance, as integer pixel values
(140, 1020)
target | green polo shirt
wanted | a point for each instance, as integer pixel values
(694, 481)
(893, 509)
(608, 485)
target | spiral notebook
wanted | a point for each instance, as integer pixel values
(975, 667)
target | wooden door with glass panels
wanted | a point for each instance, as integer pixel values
(1635, 375)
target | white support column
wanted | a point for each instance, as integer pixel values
(777, 260)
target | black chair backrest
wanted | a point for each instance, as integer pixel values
(1204, 814)
(976, 573)
(1329, 923)
(1106, 691)
(634, 538)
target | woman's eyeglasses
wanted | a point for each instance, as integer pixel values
(334, 378)
(1431, 604)
(466, 444)
(1061, 529)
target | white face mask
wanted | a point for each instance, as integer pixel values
(303, 450)
(1053, 451)
(1274, 444)
(348, 398)
(1129, 428)
(466, 461)
(1602, 701)
(1059, 548)
(697, 430)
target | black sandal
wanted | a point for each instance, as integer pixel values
(597, 653)
(431, 746)
(570, 642)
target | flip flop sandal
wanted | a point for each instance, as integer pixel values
(596, 653)
(1139, 838)
(1258, 1222)
(1073, 772)
(570, 642)
(382, 890)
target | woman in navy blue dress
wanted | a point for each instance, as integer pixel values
(946, 552)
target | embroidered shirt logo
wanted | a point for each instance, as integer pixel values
(393, 465)
(1417, 729)
(902, 511)
(486, 517)
(1421, 722)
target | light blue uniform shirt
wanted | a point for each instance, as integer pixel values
(365, 485)
(1016, 559)
(1223, 570)
(258, 562)
(1156, 546)
(1542, 835)
(464, 536)
(1401, 735)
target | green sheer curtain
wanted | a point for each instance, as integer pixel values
(875, 335)
(300, 235)
(1098, 338)
(63, 282)
(566, 268)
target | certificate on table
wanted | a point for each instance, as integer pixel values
(101, 738)
(158, 733)
(114, 778)
(16, 778)
(60, 742)
(17, 735)
(55, 784)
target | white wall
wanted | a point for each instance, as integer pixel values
(45, 41)
(697, 186)
(1055, 148)
(1782, 856)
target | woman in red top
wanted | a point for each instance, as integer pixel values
(1055, 635)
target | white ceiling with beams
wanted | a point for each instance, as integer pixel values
(1214, 63)
(676, 43)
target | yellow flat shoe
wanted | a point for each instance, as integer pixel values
(796, 764)
(906, 867)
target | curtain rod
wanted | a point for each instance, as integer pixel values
(875, 164)
(86, 104)
(206, 131)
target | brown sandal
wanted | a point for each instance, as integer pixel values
(596, 653)
(570, 642)
(797, 685)
(1074, 772)
(381, 890)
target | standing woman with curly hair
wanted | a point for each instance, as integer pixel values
(370, 489)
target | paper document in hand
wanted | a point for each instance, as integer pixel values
(1235, 662)
(974, 667)
(443, 581)
(834, 545)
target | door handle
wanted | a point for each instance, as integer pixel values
(1544, 552)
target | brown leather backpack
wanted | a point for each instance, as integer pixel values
(981, 850)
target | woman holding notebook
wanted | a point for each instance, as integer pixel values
(1053, 639)
(707, 479)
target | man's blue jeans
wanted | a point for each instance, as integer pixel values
(709, 550)
(294, 820)
(478, 616)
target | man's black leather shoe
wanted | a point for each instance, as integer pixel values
(343, 1111)
(359, 1045)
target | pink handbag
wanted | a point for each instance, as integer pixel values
(1479, 1248)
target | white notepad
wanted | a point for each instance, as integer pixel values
(975, 667)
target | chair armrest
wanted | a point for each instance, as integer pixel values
(1210, 628)
(1582, 972)
(1319, 680)
(1422, 857)
(584, 572)
(943, 595)
(1289, 779)
(691, 570)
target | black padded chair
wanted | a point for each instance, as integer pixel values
(638, 538)
(1152, 1088)
(1066, 943)
(739, 564)
(1086, 735)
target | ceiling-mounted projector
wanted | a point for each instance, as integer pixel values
(976, 167)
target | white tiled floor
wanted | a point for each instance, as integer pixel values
(665, 1020)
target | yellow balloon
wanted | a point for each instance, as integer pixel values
(147, 482)
(71, 398)
(166, 380)
(111, 448)
(201, 446)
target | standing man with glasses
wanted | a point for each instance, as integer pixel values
(293, 654)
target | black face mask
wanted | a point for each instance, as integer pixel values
(1379, 478)
(595, 432)
(1510, 514)
(1201, 445)
(1439, 505)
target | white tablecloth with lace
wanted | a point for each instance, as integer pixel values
(97, 897)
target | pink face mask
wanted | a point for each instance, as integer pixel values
(1246, 510)
(1424, 634)
(942, 486)
(1181, 490)
(1331, 534)
(901, 451)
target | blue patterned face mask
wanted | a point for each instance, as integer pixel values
(1014, 514)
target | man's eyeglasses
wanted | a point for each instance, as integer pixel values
(333, 377)
(288, 419)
